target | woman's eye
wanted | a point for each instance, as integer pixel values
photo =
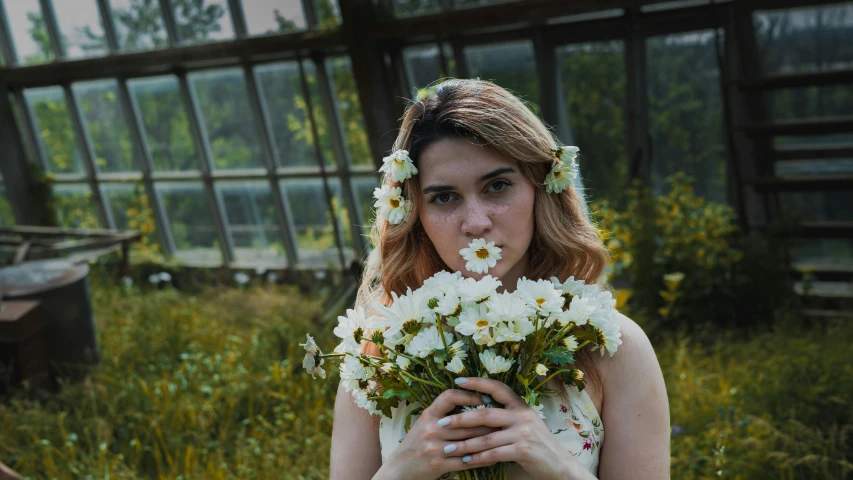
(499, 186)
(441, 198)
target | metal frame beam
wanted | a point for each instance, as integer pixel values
(87, 152)
(205, 156)
(7, 47)
(270, 156)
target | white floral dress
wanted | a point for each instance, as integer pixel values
(576, 425)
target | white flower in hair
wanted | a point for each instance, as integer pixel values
(563, 171)
(480, 256)
(390, 204)
(399, 166)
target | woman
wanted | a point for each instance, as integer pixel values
(481, 159)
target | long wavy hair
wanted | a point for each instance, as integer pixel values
(564, 241)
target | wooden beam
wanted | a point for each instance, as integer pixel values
(805, 126)
(158, 62)
(804, 183)
(812, 152)
(796, 80)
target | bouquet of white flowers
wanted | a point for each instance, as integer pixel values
(455, 326)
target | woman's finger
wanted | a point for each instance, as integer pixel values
(489, 417)
(496, 389)
(451, 434)
(504, 453)
(481, 443)
(450, 399)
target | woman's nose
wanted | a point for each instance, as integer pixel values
(477, 219)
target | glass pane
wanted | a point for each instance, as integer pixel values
(479, 3)
(809, 38)
(685, 111)
(328, 13)
(510, 65)
(315, 235)
(281, 91)
(74, 207)
(276, 16)
(132, 211)
(167, 129)
(423, 64)
(104, 120)
(364, 195)
(346, 96)
(139, 24)
(320, 117)
(592, 89)
(822, 251)
(81, 28)
(224, 107)
(29, 31)
(410, 8)
(794, 103)
(252, 217)
(54, 129)
(191, 221)
(199, 21)
(7, 216)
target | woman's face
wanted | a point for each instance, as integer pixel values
(469, 192)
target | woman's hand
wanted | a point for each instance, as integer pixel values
(523, 437)
(422, 455)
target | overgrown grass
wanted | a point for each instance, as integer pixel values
(211, 386)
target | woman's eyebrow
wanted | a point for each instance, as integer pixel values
(495, 173)
(449, 188)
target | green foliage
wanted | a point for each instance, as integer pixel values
(206, 386)
(729, 278)
(777, 406)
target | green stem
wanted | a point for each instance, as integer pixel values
(421, 380)
(543, 382)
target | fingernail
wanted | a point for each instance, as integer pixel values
(486, 398)
(466, 459)
(461, 380)
(450, 448)
(444, 422)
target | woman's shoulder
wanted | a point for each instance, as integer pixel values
(634, 366)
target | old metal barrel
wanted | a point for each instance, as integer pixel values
(63, 289)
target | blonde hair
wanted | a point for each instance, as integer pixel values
(564, 241)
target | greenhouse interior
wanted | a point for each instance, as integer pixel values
(189, 187)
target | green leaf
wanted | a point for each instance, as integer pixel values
(396, 392)
(560, 356)
(453, 321)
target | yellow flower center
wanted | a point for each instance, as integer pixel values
(394, 202)
(540, 301)
(482, 323)
(558, 174)
(482, 254)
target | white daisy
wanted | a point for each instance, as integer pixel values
(495, 363)
(476, 323)
(541, 369)
(571, 343)
(399, 165)
(390, 204)
(443, 282)
(457, 349)
(508, 307)
(560, 177)
(354, 372)
(426, 341)
(360, 398)
(353, 325)
(456, 365)
(478, 290)
(579, 312)
(541, 295)
(568, 153)
(312, 361)
(515, 331)
(405, 313)
(403, 362)
(480, 256)
(576, 288)
(608, 337)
